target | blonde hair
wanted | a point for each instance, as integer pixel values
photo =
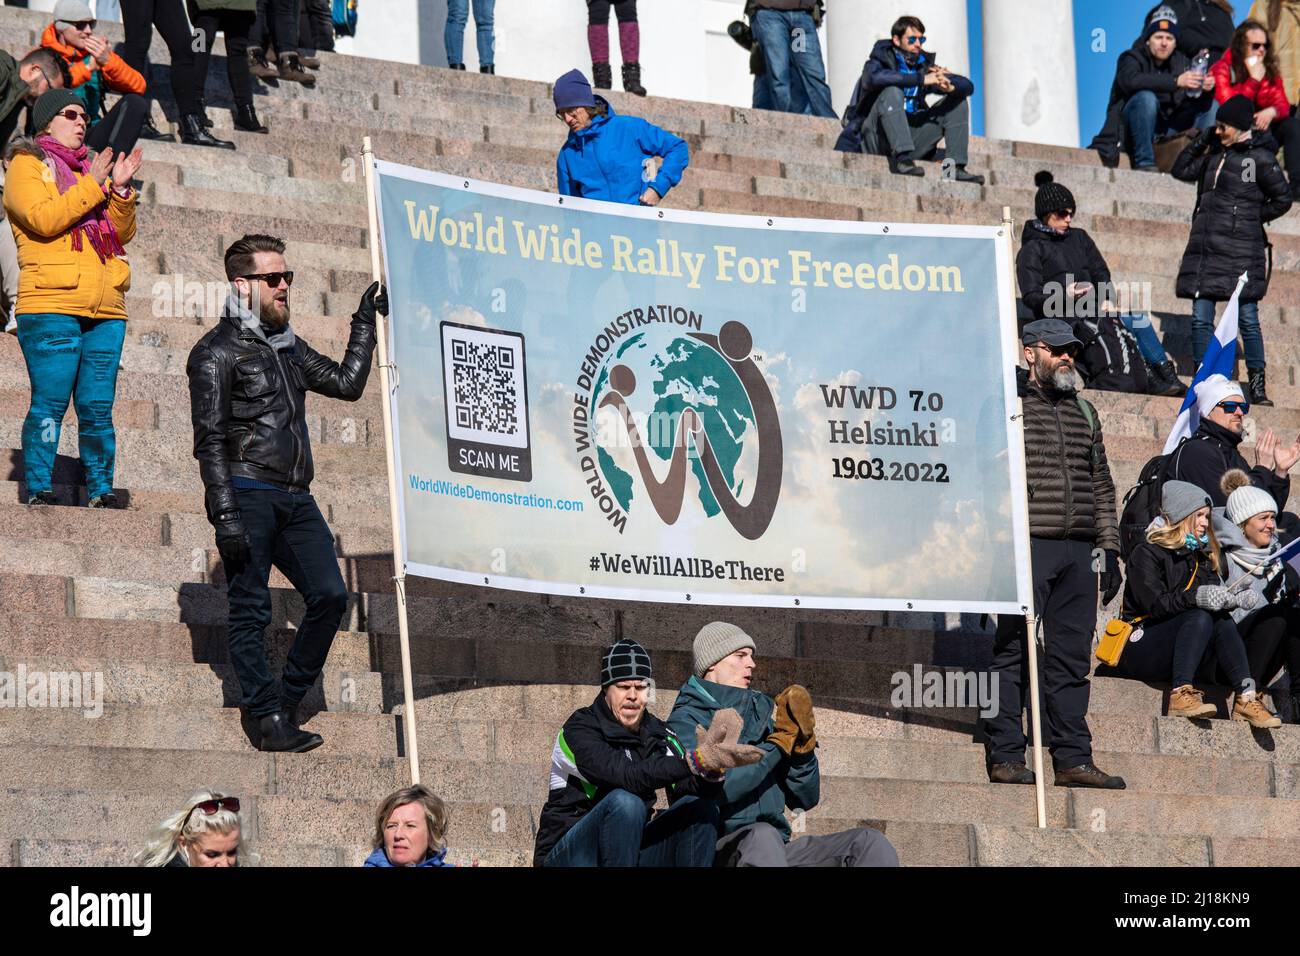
(164, 842)
(1171, 537)
(436, 817)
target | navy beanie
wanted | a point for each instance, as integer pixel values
(1163, 20)
(572, 89)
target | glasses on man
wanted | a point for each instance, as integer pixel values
(1057, 351)
(72, 115)
(210, 807)
(1233, 407)
(85, 26)
(273, 279)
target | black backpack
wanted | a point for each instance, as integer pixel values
(1141, 505)
(1110, 359)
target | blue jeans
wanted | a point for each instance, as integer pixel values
(763, 94)
(1144, 121)
(790, 45)
(453, 34)
(1147, 340)
(1247, 322)
(615, 833)
(70, 358)
(288, 531)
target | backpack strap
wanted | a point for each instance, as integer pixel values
(1086, 408)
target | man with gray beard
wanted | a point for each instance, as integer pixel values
(1071, 514)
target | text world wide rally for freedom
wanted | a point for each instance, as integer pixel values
(666, 258)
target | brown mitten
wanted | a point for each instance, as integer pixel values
(786, 733)
(798, 703)
(717, 748)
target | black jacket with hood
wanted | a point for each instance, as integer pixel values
(1137, 70)
(594, 754)
(1156, 581)
(1204, 458)
(1239, 189)
(1050, 260)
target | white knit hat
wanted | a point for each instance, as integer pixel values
(1213, 390)
(715, 641)
(1248, 501)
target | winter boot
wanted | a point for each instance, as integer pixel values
(258, 66)
(490, 69)
(1187, 701)
(1254, 713)
(602, 76)
(1162, 379)
(291, 69)
(456, 66)
(632, 79)
(204, 118)
(246, 119)
(193, 133)
(151, 132)
(280, 736)
(310, 62)
(1255, 388)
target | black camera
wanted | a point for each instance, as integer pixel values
(740, 31)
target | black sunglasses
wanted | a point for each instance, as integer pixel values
(83, 24)
(1259, 46)
(1057, 351)
(272, 278)
(210, 807)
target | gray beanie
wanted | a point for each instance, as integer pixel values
(715, 641)
(51, 102)
(1178, 499)
(69, 12)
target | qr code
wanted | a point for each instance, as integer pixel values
(486, 397)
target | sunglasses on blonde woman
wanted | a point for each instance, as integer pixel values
(210, 807)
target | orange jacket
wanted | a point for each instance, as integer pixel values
(119, 77)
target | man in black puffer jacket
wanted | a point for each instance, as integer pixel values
(1071, 517)
(248, 382)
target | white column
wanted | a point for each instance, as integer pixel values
(853, 28)
(1035, 97)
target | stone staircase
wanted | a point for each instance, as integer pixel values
(137, 595)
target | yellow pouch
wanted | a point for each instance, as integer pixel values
(1112, 642)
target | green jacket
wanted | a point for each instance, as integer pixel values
(249, 6)
(760, 792)
(13, 93)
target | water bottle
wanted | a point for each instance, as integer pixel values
(1201, 63)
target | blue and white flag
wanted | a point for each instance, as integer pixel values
(1220, 359)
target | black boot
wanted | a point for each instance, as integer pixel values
(1255, 388)
(203, 113)
(901, 164)
(490, 69)
(456, 66)
(632, 79)
(1295, 708)
(1162, 379)
(149, 131)
(602, 76)
(280, 736)
(246, 119)
(193, 133)
(963, 175)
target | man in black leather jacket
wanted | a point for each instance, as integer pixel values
(248, 382)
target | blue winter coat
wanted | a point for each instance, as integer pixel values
(760, 792)
(607, 159)
(380, 858)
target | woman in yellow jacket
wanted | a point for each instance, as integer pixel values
(70, 219)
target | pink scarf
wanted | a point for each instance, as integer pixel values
(94, 225)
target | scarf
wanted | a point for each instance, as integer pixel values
(912, 64)
(95, 225)
(280, 341)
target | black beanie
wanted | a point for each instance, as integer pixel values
(1051, 197)
(624, 660)
(1238, 112)
(51, 102)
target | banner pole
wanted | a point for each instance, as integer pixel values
(1031, 618)
(399, 569)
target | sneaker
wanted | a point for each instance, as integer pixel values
(1254, 713)
(1010, 772)
(1187, 701)
(964, 176)
(43, 498)
(106, 500)
(901, 165)
(1147, 169)
(1087, 775)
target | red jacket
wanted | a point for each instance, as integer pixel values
(1263, 93)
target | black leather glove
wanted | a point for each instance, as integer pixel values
(373, 300)
(232, 539)
(1110, 578)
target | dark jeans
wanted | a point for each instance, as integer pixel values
(276, 26)
(791, 45)
(315, 26)
(1252, 337)
(120, 126)
(763, 94)
(139, 17)
(1183, 647)
(235, 24)
(285, 530)
(1144, 120)
(615, 833)
(1272, 638)
(1147, 340)
(1065, 598)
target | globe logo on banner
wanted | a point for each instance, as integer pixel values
(698, 405)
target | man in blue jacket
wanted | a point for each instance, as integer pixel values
(890, 116)
(608, 156)
(753, 799)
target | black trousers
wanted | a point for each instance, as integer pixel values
(316, 26)
(286, 531)
(1188, 647)
(1272, 638)
(235, 24)
(119, 128)
(276, 26)
(1287, 134)
(139, 17)
(598, 11)
(1065, 598)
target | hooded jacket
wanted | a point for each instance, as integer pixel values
(607, 159)
(380, 858)
(90, 80)
(53, 276)
(1203, 459)
(1239, 189)
(1071, 492)
(1051, 260)
(248, 402)
(13, 96)
(760, 792)
(1276, 582)
(1156, 581)
(594, 755)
